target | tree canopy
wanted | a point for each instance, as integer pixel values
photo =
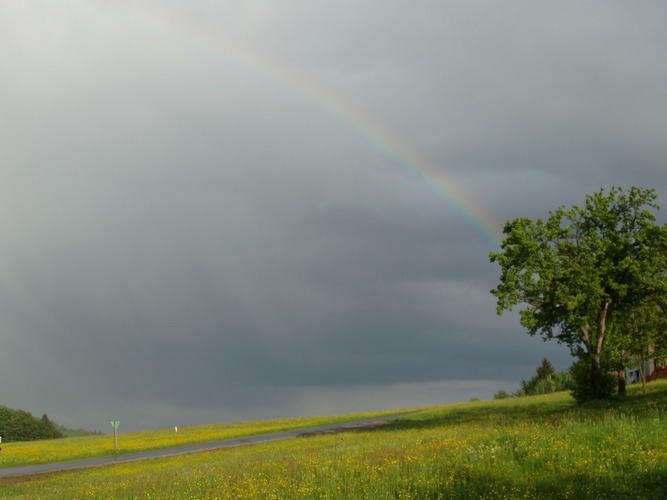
(578, 275)
(20, 425)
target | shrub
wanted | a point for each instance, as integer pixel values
(502, 394)
(581, 376)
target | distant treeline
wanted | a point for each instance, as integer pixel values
(77, 432)
(20, 425)
(545, 381)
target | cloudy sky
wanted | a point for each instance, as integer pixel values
(221, 210)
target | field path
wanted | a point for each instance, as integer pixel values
(27, 470)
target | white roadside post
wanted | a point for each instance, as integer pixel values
(114, 424)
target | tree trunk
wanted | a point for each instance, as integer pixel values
(642, 372)
(621, 383)
(596, 369)
(644, 384)
(596, 376)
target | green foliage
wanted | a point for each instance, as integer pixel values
(20, 425)
(543, 375)
(545, 381)
(581, 375)
(579, 274)
(502, 394)
(79, 432)
(556, 382)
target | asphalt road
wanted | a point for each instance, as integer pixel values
(191, 448)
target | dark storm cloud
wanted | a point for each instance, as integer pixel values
(186, 240)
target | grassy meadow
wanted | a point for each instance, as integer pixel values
(76, 448)
(533, 447)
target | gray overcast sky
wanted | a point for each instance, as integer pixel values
(198, 225)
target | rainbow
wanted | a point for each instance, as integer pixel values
(396, 150)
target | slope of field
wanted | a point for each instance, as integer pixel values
(77, 448)
(545, 447)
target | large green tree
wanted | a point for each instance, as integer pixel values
(577, 273)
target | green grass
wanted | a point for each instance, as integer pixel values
(536, 447)
(61, 450)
